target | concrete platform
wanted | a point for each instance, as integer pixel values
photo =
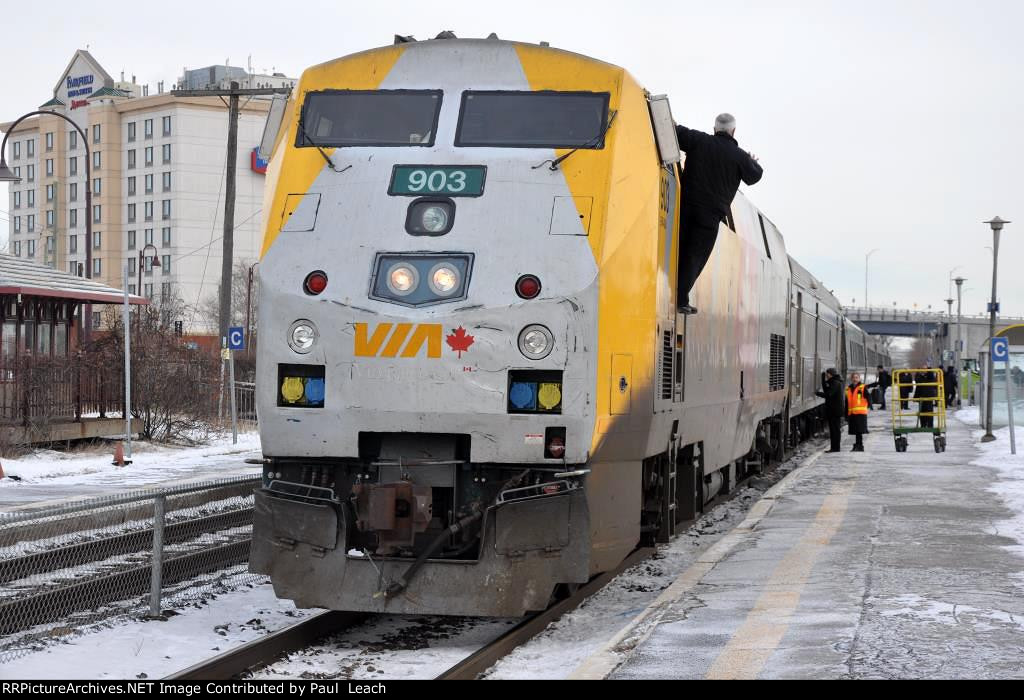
(859, 565)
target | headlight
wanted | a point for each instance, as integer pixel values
(403, 279)
(302, 336)
(536, 342)
(444, 279)
(434, 219)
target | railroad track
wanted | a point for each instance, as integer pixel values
(267, 649)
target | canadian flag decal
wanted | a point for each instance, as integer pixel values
(459, 341)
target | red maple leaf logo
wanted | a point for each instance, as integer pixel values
(459, 340)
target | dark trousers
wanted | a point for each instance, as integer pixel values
(835, 432)
(698, 233)
(881, 394)
(927, 421)
(905, 392)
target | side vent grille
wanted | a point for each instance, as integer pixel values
(777, 366)
(667, 354)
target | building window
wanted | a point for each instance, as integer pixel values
(131, 287)
(17, 200)
(97, 240)
(30, 221)
(149, 236)
(149, 156)
(166, 236)
(73, 267)
(97, 266)
(72, 166)
(49, 167)
(96, 159)
(97, 185)
(97, 213)
(167, 152)
(17, 224)
(31, 249)
(149, 211)
(149, 184)
(17, 150)
(167, 181)
(148, 291)
(167, 126)
(97, 320)
(73, 218)
(95, 133)
(165, 264)
(148, 129)
(131, 158)
(72, 140)
(131, 131)
(49, 244)
(17, 172)
(166, 209)
(31, 196)
(49, 140)
(165, 291)
(17, 248)
(50, 192)
(131, 240)
(131, 268)
(30, 148)
(30, 172)
(72, 244)
(131, 186)
(131, 213)
(73, 192)
(49, 218)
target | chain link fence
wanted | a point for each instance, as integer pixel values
(83, 565)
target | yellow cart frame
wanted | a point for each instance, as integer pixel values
(901, 418)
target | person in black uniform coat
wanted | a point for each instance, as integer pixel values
(835, 405)
(926, 392)
(883, 384)
(906, 389)
(951, 386)
(715, 165)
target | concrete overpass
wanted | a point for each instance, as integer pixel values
(922, 324)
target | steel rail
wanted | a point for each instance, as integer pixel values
(118, 545)
(269, 648)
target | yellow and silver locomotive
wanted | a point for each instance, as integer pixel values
(473, 384)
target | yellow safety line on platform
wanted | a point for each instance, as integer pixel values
(746, 654)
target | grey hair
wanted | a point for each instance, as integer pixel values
(725, 122)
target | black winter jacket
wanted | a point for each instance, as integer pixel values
(835, 398)
(715, 165)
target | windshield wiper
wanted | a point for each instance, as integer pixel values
(589, 144)
(327, 158)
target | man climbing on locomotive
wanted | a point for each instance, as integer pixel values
(715, 165)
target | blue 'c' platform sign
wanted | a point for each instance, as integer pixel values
(1000, 349)
(236, 338)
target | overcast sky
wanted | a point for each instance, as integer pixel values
(888, 125)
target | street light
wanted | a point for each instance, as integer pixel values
(949, 323)
(866, 259)
(6, 175)
(997, 225)
(959, 339)
(142, 262)
(958, 267)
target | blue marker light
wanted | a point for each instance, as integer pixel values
(315, 390)
(523, 396)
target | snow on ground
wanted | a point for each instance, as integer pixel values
(155, 649)
(1010, 468)
(567, 642)
(49, 474)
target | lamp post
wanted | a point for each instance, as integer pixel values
(959, 338)
(248, 308)
(6, 175)
(949, 325)
(142, 262)
(866, 259)
(997, 225)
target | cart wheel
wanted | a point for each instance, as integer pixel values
(938, 445)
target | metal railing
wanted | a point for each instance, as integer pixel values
(65, 568)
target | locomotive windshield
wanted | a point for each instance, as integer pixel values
(533, 119)
(339, 118)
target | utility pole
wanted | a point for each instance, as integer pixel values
(959, 340)
(233, 93)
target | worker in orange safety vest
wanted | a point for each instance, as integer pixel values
(857, 411)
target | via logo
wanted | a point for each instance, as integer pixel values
(408, 340)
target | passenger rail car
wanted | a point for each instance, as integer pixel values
(474, 388)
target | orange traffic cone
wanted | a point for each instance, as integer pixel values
(119, 455)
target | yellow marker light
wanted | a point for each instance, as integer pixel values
(292, 389)
(549, 396)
